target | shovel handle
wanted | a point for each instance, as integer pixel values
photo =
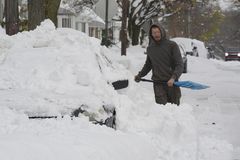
(148, 80)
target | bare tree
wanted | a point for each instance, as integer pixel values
(36, 13)
(78, 5)
(38, 10)
(123, 32)
(143, 11)
(12, 18)
(51, 10)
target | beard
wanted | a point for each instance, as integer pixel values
(157, 38)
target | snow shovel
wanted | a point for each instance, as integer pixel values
(185, 84)
(120, 84)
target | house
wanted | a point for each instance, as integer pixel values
(92, 22)
(86, 21)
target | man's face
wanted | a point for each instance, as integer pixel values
(156, 34)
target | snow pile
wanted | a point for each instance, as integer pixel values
(57, 68)
(172, 128)
(2, 31)
(67, 139)
(176, 126)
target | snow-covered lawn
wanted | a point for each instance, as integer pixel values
(49, 71)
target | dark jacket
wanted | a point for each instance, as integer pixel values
(164, 59)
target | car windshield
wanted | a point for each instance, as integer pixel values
(233, 50)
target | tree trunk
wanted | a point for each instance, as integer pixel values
(142, 36)
(36, 13)
(51, 10)
(130, 20)
(123, 32)
(38, 10)
(12, 17)
(135, 34)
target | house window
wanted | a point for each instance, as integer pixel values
(91, 31)
(66, 22)
(96, 33)
(83, 27)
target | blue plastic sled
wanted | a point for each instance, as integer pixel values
(185, 84)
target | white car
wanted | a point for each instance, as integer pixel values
(183, 54)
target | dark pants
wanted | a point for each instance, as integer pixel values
(165, 94)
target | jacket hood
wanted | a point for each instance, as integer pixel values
(162, 30)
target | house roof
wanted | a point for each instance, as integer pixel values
(89, 15)
(85, 15)
(64, 11)
(97, 24)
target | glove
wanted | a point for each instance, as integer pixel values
(137, 78)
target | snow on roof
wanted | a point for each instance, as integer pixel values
(65, 11)
(86, 14)
(89, 15)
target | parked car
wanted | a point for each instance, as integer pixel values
(106, 113)
(52, 80)
(193, 52)
(183, 54)
(190, 45)
(210, 53)
(184, 57)
(232, 54)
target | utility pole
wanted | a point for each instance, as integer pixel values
(12, 17)
(123, 32)
(106, 21)
(105, 40)
(189, 22)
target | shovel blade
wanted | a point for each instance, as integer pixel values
(120, 84)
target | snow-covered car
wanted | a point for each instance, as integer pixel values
(49, 72)
(210, 53)
(183, 54)
(192, 46)
(193, 51)
(184, 57)
(232, 54)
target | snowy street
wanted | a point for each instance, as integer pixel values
(217, 109)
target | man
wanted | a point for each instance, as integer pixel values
(165, 61)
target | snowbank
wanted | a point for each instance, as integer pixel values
(174, 129)
(67, 139)
(2, 31)
(57, 68)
